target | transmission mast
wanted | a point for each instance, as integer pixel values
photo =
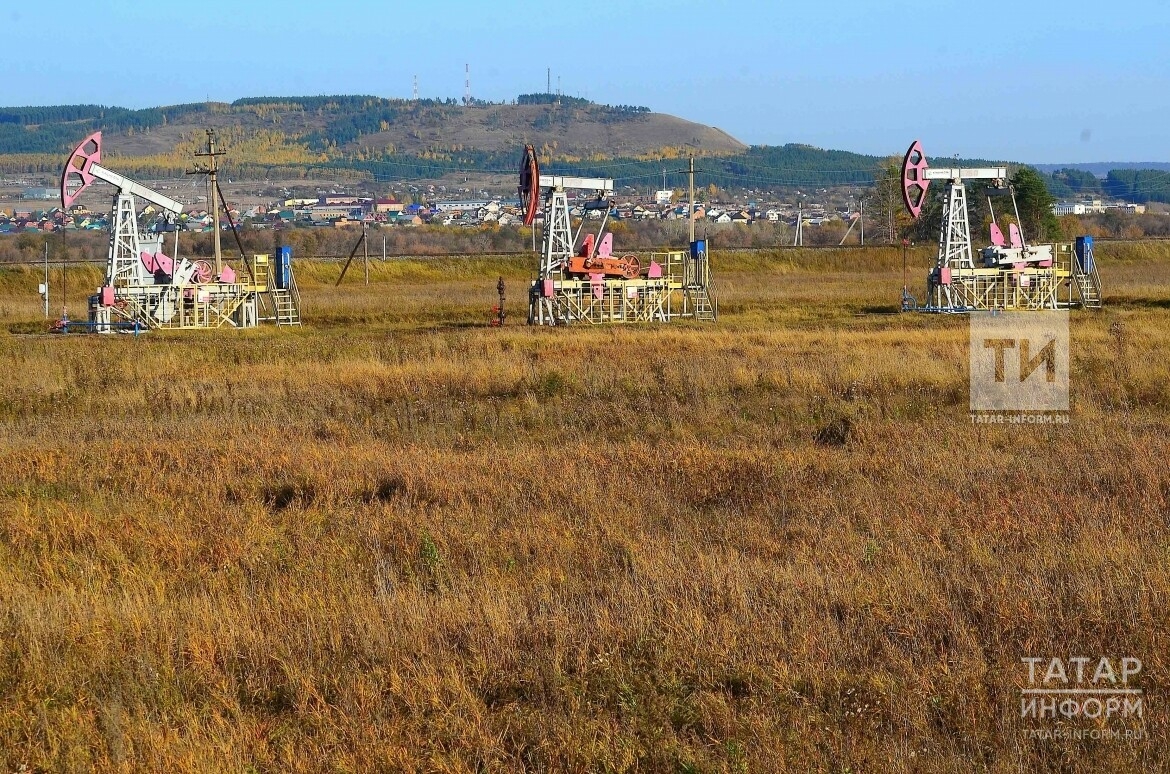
(211, 169)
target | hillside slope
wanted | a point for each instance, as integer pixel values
(363, 137)
(362, 125)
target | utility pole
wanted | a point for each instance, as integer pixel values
(691, 208)
(366, 259)
(863, 222)
(853, 223)
(500, 309)
(906, 298)
(211, 169)
(890, 204)
(799, 240)
(45, 287)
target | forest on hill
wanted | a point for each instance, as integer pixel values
(1132, 185)
(389, 139)
(368, 137)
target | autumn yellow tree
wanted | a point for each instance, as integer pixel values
(886, 218)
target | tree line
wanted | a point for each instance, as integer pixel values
(547, 98)
(38, 131)
(1132, 185)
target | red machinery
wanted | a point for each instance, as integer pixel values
(601, 261)
(592, 258)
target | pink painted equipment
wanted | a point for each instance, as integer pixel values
(203, 272)
(1017, 239)
(78, 172)
(914, 184)
(605, 249)
(586, 250)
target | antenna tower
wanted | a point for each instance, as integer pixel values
(416, 88)
(467, 84)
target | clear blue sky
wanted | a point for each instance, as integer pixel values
(1029, 80)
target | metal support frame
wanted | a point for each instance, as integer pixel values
(677, 294)
(123, 265)
(954, 247)
(1005, 288)
(559, 239)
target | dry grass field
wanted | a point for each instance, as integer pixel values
(400, 540)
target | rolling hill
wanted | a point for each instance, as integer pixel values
(298, 137)
(279, 131)
(366, 137)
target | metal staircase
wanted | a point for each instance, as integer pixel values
(1087, 283)
(285, 307)
(704, 303)
(1089, 289)
(287, 302)
(279, 305)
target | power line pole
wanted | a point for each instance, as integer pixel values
(45, 287)
(691, 213)
(212, 170)
(890, 204)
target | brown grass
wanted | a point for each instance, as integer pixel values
(398, 541)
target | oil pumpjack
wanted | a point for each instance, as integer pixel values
(582, 280)
(1010, 273)
(145, 288)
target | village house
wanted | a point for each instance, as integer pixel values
(388, 206)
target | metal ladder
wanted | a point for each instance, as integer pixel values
(1089, 290)
(286, 303)
(1087, 283)
(705, 305)
(1088, 286)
